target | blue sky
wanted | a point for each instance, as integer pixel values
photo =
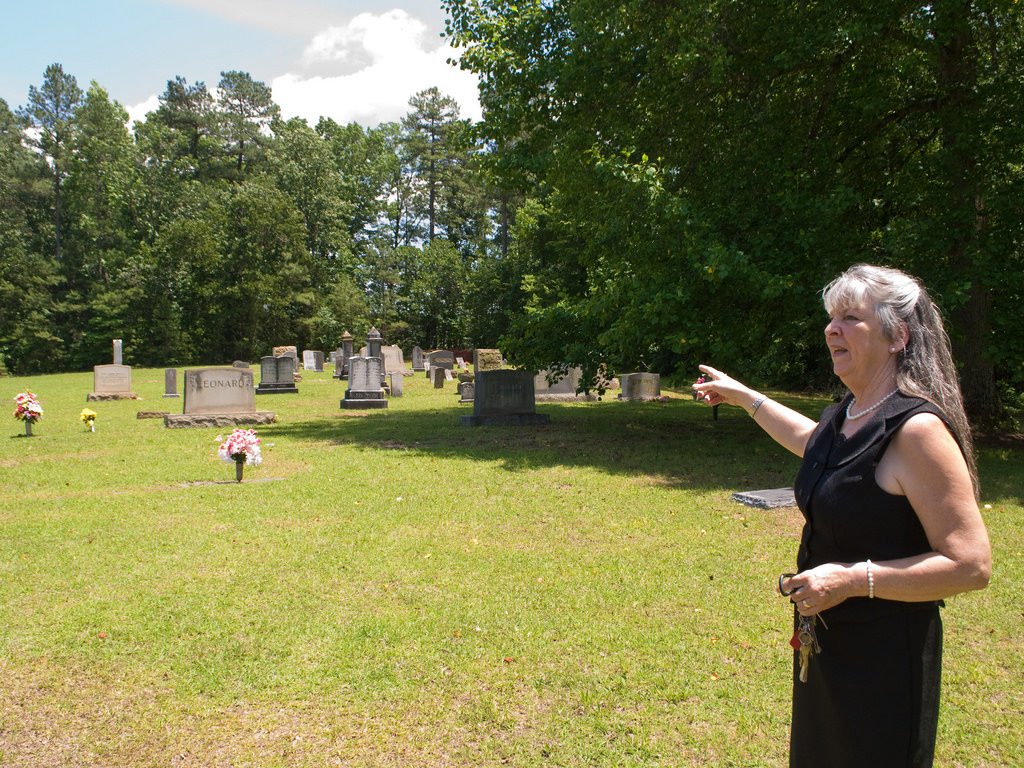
(353, 60)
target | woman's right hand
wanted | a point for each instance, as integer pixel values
(718, 388)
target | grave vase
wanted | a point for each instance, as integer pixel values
(28, 427)
(239, 465)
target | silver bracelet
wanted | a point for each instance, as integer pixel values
(757, 404)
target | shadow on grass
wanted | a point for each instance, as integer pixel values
(676, 443)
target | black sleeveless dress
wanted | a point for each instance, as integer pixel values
(872, 694)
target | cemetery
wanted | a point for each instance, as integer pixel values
(590, 575)
(445, 400)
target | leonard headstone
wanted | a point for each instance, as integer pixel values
(218, 397)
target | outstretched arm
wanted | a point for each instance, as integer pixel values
(788, 428)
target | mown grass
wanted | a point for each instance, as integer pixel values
(391, 589)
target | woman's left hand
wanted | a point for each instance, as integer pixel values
(819, 589)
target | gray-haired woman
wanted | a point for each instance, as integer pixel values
(888, 489)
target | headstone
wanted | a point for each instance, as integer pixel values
(373, 343)
(438, 377)
(564, 386)
(308, 360)
(240, 364)
(339, 364)
(364, 384)
(466, 389)
(486, 360)
(448, 375)
(219, 390)
(504, 398)
(277, 376)
(440, 358)
(218, 397)
(397, 384)
(318, 361)
(418, 361)
(346, 353)
(394, 360)
(111, 382)
(465, 354)
(118, 352)
(771, 498)
(460, 362)
(640, 386)
(171, 382)
(291, 352)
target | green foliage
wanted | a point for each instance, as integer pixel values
(707, 168)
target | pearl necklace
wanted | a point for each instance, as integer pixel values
(869, 409)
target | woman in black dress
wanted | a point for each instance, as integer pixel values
(888, 490)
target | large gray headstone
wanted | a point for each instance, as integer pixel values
(364, 384)
(219, 390)
(118, 352)
(418, 360)
(504, 398)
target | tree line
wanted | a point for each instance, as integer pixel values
(694, 173)
(214, 229)
(652, 185)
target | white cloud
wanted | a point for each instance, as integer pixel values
(380, 61)
(364, 72)
(138, 112)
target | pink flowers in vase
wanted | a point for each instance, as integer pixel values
(28, 410)
(242, 447)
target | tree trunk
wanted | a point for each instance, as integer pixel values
(972, 327)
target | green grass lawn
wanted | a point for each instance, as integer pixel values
(392, 589)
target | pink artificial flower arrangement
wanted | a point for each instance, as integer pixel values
(242, 444)
(27, 408)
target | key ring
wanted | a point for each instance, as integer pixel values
(782, 578)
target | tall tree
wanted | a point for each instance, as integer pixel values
(432, 149)
(303, 167)
(103, 298)
(49, 112)
(29, 339)
(189, 114)
(247, 111)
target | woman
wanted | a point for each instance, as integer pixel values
(888, 489)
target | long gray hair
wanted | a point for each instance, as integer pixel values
(924, 367)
